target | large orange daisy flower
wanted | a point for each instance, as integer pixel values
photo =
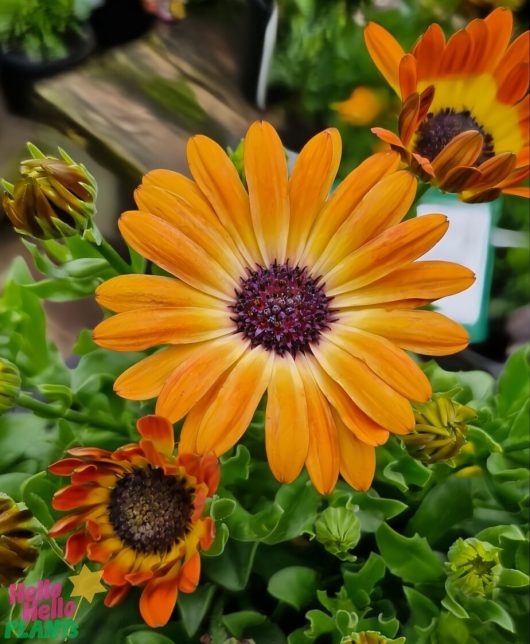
(464, 123)
(286, 291)
(137, 511)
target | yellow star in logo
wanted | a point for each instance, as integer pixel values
(87, 584)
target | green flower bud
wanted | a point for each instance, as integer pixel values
(53, 198)
(18, 542)
(440, 430)
(474, 566)
(370, 637)
(9, 385)
(338, 530)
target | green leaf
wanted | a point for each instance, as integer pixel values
(359, 585)
(232, 569)
(222, 508)
(37, 492)
(451, 603)
(422, 609)
(445, 505)
(295, 585)
(405, 472)
(238, 623)
(236, 467)
(511, 578)
(194, 606)
(373, 509)
(514, 383)
(147, 637)
(245, 526)
(412, 558)
(489, 611)
(320, 623)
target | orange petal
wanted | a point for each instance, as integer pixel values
(518, 52)
(68, 523)
(385, 51)
(136, 331)
(101, 474)
(357, 460)
(229, 415)
(478, 32)
(197, 374)
(218, 179)
(176, 253)
(65, 467)
(356, 420)
(145, 379)
(497, 168)
(90, 452)
(159, 597)
(384, 206)
(464, 149)
(114, 572)
(523, 191)
(428, 52)
(515, 86)
(205, 469)
(268, 187)
(388, 137)
(102, 551)
(131, 292)
(344, 200)
(379, 401)
(75, 496)
(189, 574)
(500, 25)
(428, 280)
(457, 53)
(388, 252)
(407, 76)
(460, 178)
(159, 431)
(408, 118)
(322, 460)
(209, 533)
(76, 547)
(116, 595)
(206, 232)
(286, 423)
(425, 332)
(387, 361)
(312, 177)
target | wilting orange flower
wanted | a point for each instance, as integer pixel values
(282, 290)
(137, 511)
(464, 123)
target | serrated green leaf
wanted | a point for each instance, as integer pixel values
(510, 578)
(422, 609)
(488, 610)
(235, 468)
(194, 606)
(147, 637)
(232, 568)
(222, 508)
(410, 558)
(239, 623)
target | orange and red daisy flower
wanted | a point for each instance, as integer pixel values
(137, 511)
(464, 123)
(282, 290)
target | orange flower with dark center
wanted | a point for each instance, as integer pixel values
(138, 513)
(282, 290)
(464, 123)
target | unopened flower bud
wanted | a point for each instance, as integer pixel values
(18, 541)
(9, 385)
(370, 637)
(474, 566)
(440, 430)
(338, 530)
(53, 198)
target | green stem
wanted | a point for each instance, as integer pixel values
(113, 257)
(47, 411)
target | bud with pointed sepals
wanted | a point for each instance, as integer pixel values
(370, 637)
(338, 530)
(474, 566)
(440, 431)
(9, 385)
(18, 541)
(53, 198)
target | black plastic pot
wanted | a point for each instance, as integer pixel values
(18, 72)
(119, 21)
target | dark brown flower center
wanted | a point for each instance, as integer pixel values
(151, 511)
(437, 130)
(281, 308)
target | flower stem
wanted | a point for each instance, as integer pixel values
(47, 411)
(112, 256)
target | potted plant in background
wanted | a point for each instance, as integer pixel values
(39, 38)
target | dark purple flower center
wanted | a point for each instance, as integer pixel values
(281, 308)
(437, 130)
(151, 511)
